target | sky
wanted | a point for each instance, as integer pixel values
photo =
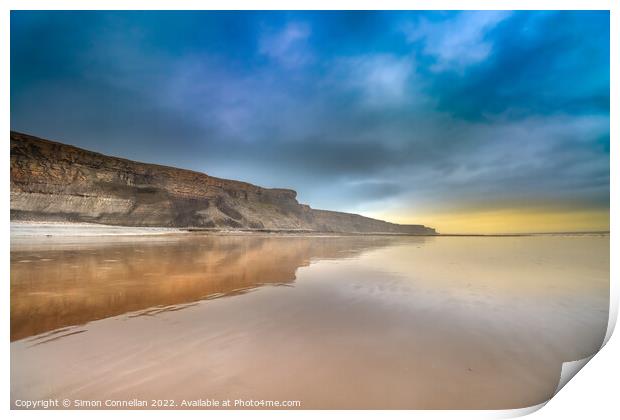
(469, 122)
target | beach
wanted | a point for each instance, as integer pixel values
(330, 321)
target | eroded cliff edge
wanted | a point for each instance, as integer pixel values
(52, 181)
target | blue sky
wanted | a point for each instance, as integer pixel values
(469, 121)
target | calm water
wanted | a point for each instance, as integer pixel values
(334, 322)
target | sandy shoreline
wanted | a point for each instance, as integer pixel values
(28, 229)
(46, 229)
(33, 230)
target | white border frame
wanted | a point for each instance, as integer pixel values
(597, 387)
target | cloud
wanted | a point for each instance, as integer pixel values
(375, 189)
(542, 63)
(459, 42)
(381, 79)
(287, 46)
(535, 160)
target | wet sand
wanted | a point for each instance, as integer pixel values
(28, 231)
(334, 322)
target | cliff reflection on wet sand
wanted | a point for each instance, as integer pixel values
(369, 322)
(57, 283)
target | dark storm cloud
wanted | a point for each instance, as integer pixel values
(440, 109)
(536, 63)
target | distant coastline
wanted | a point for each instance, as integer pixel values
(602, 232)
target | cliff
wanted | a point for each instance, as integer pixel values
(52, 181)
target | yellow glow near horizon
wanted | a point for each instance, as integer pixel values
(509, 221)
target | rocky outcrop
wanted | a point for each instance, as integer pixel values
(52, 181)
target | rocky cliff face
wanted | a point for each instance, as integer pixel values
(56, 182)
